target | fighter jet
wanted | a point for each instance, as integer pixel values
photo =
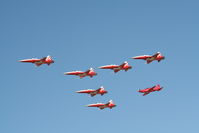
(149, 90)
(150, 58)
(46, 60)
(101, 91)
(116, 68)
(81, 74)
(110, 105)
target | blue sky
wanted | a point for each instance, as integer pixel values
(83, 34)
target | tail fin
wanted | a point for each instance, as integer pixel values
(48, 58)
(158, 85)
(102, 88)
(111, 101)
(91, 69)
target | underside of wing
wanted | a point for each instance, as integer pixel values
(149, 61)
(101, 107)
(117, 70)
(38, 64)
(92, 94)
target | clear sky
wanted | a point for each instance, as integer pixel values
(80, 34)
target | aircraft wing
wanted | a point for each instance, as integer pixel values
(92, 94)
(43, 59)
(149, 61)
(101, 107)
(38, 64)
(151, 89)
(117, 70)
(155, 55)
(146, 93)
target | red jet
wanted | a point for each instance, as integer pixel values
(149, 90)
(81, 74)
(46, 60)
(110, 105)
(150, 58)
(116, 68)
(101, 91)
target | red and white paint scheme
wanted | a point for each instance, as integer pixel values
(100, 91)
(110, 105)
(149, 90)
(150, 58)
(81, 74)
(46, 60)
(116, 68)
